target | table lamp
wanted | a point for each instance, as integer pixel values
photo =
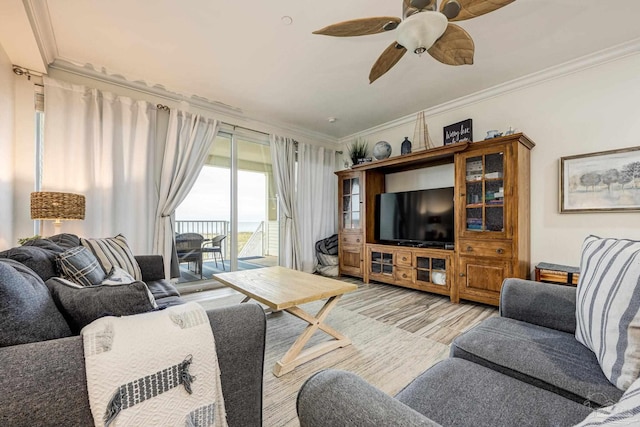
(57, 206)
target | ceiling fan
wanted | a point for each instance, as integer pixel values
(423, 29)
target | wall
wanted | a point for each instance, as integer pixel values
(592, 110)
(6, 148)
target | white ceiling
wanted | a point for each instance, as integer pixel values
(240, 53)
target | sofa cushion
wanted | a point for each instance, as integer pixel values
(544, 357)
(608, 306)
(27, 311)
(114, 252)
(80, 266)
(456, 392)
(82, 305)
(42, 261)
(625, 412)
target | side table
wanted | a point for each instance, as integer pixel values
(556, 273)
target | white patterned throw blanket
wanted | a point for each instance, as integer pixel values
(154, 369)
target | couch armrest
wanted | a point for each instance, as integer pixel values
(342, 399)
(240, 331)
(543, 304)
(152, 267)
(44, 384)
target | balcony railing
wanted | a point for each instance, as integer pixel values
(263, 241)
(207, 229)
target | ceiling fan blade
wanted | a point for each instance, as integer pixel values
(421, 4)
(454, 47)
(359, 27)
(388, 59)
(470, 8)
(408, 9)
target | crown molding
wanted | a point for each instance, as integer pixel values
(38, 13)
(228, 112)
(576, 65)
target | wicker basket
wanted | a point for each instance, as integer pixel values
(52, 205)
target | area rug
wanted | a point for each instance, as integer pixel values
(383, 355)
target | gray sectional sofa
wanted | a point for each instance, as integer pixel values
(524, 368)
(43, 381)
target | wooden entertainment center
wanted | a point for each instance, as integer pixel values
(491, 205)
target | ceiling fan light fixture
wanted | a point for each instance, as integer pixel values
(419, 32)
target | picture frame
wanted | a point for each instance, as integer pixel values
(458, 132)
(605, 181)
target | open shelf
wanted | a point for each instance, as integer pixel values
(415, 160)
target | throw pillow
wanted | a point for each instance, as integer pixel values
(624, 413)
(118, 277)
(40, 260)
(29, 314)
(80, 266)
(83, 305)
(114, 252)
(608, 306)
(65, 240)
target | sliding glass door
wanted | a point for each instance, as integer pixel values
(232, 209)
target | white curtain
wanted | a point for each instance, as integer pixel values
(101, 145)
(189, 139)
(306, 186)
(316, 200)
(283, 157)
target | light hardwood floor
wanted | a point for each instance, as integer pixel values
(397, 333)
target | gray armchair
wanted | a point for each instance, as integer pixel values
(524, 368)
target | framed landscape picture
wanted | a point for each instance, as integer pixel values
(606, 181)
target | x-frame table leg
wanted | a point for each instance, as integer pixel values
(296, 355)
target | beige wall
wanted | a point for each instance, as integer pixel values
(6, 151)
(592, 110)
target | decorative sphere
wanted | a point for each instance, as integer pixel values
(381, 150)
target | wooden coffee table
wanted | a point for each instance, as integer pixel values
(284, 289)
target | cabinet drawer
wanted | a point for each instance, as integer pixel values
(404, 275)
(403, 258)
(351, 239)
(485, 248)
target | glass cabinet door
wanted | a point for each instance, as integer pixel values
(381, 262)
(351, 203)
(484, 181)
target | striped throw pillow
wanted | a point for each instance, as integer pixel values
(608, 306)
(114, 252)
(624, 413)
(80, 266)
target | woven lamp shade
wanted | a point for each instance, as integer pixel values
(52, 205)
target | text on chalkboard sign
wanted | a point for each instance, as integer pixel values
(457, 132)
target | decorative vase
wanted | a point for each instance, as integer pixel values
(405, 148)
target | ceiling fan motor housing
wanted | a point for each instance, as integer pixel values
(419, 32)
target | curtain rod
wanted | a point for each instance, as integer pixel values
(167, 108)
(22, 71)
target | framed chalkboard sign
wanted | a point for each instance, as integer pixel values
(457, 132)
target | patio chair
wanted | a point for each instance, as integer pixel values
(189, 249)
(214, 246)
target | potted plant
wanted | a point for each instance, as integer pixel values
(358, 150)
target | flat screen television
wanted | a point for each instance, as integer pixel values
(416, 218)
